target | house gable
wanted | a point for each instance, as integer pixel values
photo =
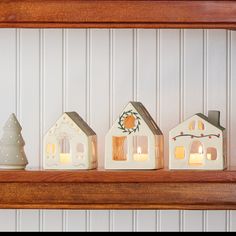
(77, 122)
(140, 112)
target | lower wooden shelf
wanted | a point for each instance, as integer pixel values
(101, 189)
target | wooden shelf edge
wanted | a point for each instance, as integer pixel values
(118, 195)
(109, 176)
(117, 14)
(115, 207)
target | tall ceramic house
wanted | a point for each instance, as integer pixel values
(198, 143)
(70, 144)
(134, 141)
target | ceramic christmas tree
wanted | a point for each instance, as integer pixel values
(12, 154)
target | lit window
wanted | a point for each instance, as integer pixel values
(140, 148)
(211, 154)
(196, 154)
(65, 157)
(192, 125)
(201, 126)
(179, 153)
(51, 149)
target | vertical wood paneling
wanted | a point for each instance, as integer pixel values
(146, 221)
(170, 221)
(216, 221)
(123, 78)
(193, 91)
(76, 100)
(170, 101)
(146, 81)
(29, 88)
(232, 91)
(123, 221)
(216, 99)
(99, 100)
(96, 72)
(7, 101)
(53, 102)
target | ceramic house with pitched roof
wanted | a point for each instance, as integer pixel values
(70, 144)
(198, 143)
(134, 141)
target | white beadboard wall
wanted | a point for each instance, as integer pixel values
(175, 73)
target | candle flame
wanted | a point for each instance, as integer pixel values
(139, 150)
(200, 150)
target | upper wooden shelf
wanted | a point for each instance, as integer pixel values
(117, 14)
(99, 189)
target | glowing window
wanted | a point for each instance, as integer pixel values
(179, 153)
(192, 125)
(65, 157)
(196, 154)
(140, 148)
(51, 149)
(201, 126)
(211, 154)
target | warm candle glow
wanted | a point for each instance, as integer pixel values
(197, 158)
(139, 156)
(65, 158)
(139, 150)
(200, 150)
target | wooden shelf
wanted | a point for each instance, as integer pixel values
(117, 14)
(161, 189)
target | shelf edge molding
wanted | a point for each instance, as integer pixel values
(117, 14)
(187, 190)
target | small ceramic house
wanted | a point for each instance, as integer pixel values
(134, 141)
(198, 143)
(70, 144)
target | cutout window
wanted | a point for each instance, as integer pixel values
(201, 125)
(65, 157)
(211, 154)
(51, 149)
(80, 151)
(119, 148)
(196, 154)
(140, 148)
(179, 153)
(192, 125)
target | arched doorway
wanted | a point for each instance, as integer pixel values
(196, 157)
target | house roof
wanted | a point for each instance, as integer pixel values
(146, 117)
(209, 121)
(81, 123)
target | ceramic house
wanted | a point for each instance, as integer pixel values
(198, 143)
(134, 141)
(70, 144)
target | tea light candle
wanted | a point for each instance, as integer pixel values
(197, 158)
(65, 158)
(139, 156)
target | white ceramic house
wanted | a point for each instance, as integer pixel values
(198, 143)
(70, 144)
(134, 141)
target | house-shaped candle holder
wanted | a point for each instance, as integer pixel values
(134, 141)
(198, 143)
(70, 144)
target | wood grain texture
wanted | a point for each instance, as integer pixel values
(118, 195)
(120, 14)
(104, 176)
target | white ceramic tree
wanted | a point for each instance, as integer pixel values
(12, 154)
